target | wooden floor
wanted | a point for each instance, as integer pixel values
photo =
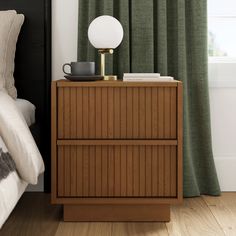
(203, 216)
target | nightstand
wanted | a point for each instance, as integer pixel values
(116, 149)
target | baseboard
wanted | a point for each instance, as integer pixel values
(226, 170)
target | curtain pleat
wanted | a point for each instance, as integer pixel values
(161, 36)
(142, 35)
(121, 58)
(170, 37)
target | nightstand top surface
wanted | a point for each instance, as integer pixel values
(118, 83)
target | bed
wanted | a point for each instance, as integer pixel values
(10, 196)
(31, 109)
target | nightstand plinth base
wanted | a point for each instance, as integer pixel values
(114, 213)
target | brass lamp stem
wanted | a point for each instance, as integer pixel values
(103, 64)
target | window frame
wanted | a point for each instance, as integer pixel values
(219, 64)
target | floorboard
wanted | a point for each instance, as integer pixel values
(144, 229)
(193, 218)
(33, 216)
(203, 216)
(224, 210)
(82, 229)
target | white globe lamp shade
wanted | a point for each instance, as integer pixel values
(105, 32)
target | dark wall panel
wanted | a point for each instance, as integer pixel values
(33, 66)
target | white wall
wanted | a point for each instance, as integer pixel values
(64, 34)
(223, 121)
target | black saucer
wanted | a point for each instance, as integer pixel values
(84, 77)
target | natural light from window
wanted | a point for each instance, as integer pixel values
(222, 43)
(222, 28)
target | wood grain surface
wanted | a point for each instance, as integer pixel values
(154, 174)
(116, 213)
(117, 113)
(116, 143)
(204, 216)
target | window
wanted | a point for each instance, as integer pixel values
(222, 42)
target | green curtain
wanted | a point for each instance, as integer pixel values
(170, 37)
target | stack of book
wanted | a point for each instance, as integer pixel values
(146, 77)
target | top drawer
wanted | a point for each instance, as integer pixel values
(117, 112)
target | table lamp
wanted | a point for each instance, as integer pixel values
(105, 33)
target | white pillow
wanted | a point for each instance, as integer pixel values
(6, 22)
(10, 55)
(10, 25)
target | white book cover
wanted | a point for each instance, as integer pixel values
(160, 79)
(142, 75)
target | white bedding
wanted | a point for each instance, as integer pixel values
(20, 160)
(27, 109)
(11, 189)
(17, 145)
(19, 141)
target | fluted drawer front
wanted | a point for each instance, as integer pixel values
(117, 171)
(117, 113)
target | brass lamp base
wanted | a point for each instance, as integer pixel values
(109, 77)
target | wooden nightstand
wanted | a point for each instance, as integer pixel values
(116, 149)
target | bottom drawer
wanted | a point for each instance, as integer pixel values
(117, 171)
